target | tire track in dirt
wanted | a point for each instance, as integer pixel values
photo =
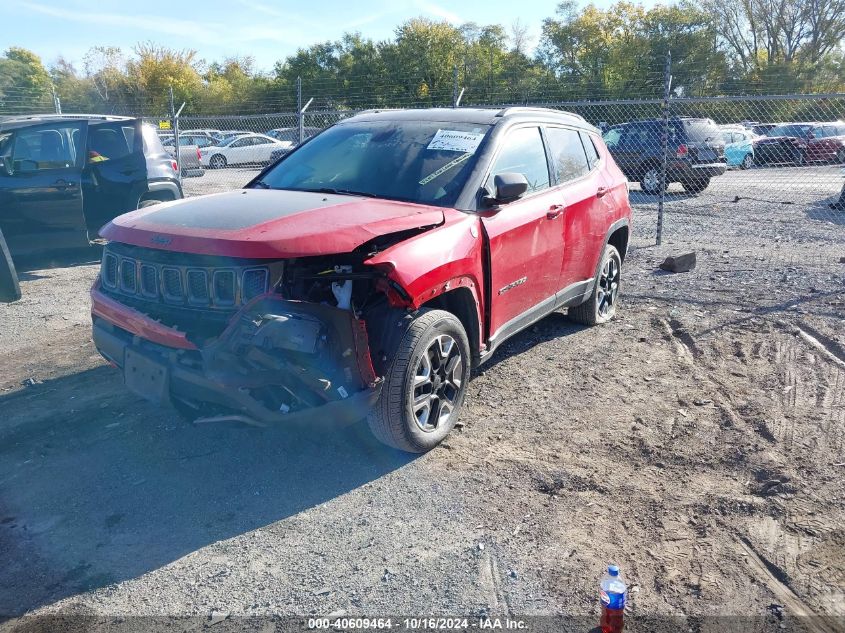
(777, 581)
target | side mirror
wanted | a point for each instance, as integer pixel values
(509, 186)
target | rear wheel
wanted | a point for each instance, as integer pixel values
(651, 182)
(601, 306)
(799, 158)
(217, 162)
(148, 203)
(747, 161)
(696, 186)
(424, 388)
(840, 156)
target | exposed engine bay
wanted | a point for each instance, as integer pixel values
(316, 335)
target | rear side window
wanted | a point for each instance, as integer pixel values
(524, 153)
(590, 149)
(111, 141)
(570, 161)
(700, 130)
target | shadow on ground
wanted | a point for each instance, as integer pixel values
(97, 486)
(25, 264)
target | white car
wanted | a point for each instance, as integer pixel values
(242, 150)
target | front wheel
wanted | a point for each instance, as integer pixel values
(425, 386)
(217, 162)
(840, 156)
(747, 161)
(601, 306)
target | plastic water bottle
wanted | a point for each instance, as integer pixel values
(613, 593)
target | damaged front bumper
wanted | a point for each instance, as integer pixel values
(276, 361)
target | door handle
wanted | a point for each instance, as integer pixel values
(601, 192)
(64, 184)
(555, 210)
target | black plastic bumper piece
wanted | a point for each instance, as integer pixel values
(186, 383)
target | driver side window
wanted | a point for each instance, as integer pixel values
(523, 153)
(42, 148)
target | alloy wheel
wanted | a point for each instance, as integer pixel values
(437, 383)
(651, 180)
(608, 287)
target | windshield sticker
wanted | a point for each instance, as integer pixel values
(445, 168)
(455, 141)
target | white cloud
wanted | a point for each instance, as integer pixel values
(156, 24)
(439, 12)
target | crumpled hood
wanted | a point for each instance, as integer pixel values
(261, 223)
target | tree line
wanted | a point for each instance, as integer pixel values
(718, 47)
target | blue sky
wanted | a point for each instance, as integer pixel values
(267, 30)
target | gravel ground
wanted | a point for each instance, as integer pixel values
(697, 441)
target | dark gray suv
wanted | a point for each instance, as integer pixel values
(63, 177)
(695, 152)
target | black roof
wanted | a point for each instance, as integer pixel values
(481, 116)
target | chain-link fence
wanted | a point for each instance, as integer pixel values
(758, 177)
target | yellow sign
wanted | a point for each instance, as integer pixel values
(164, 125)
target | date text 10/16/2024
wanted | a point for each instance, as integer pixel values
(415, 624)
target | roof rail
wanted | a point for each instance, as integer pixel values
(528, 110)
(39, 117)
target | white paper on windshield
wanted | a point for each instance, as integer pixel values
(455, 141)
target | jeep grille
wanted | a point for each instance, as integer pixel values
(187, 285)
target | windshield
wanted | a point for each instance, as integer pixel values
(789, 130)
(701, 130)
(419, 161)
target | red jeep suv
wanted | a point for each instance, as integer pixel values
(366, 272)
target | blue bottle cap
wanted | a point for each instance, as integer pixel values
(613, 570)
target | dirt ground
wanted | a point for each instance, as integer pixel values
(698, 441)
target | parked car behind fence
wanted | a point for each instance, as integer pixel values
(63, 177)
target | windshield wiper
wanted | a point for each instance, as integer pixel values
(342, 192)
(261, 184)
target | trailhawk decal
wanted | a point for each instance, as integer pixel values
(512, 285)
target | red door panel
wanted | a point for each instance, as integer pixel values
(526, 248)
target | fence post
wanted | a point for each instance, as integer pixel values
(664, 144)
(300, 115)
(57, 103)
(10, 289)
(455, 86)
(175, 124)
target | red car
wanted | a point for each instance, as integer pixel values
(801, 143)
(367, 272)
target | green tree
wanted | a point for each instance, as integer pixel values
(25, 84)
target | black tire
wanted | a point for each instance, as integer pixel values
(218, 161)
(747, 161)
(148, 203)
(696, 186)
(840, 156)
(799, 158)
(650, 181)
(394, 419)
(601, 306)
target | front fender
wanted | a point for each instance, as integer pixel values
(438, 261)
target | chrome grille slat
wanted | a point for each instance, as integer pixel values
(253, 283)
(211, 287)
(128, 276)
(197, 286)
(149, 281)
(110, 270)
(225, 292)
(171, 284)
